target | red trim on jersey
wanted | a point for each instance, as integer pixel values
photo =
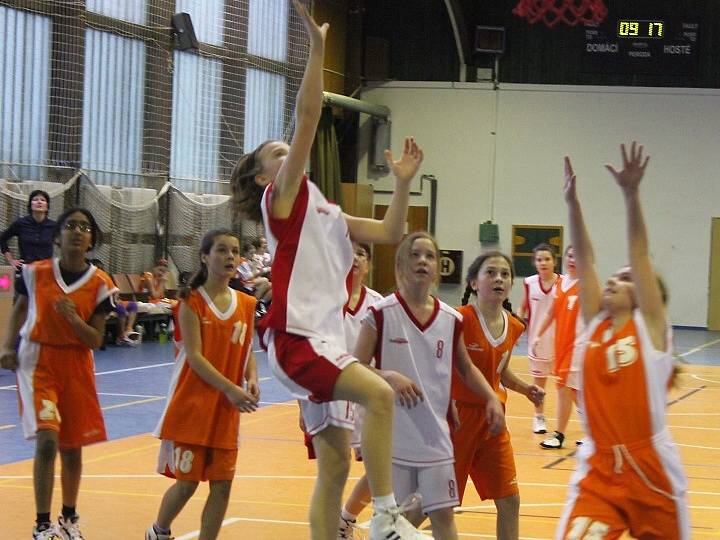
(301, 363)
(346, 307)
(378, 315)
(527, 305)
(433, 316)
(287, 232)
(457, 335)
(540, 283)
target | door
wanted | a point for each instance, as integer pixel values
(383, 264)
(714, 279)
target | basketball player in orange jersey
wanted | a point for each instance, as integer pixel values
(214, 379)
(629, 475)
(60, 316)
(539, 294)
(490, 333)
(417, 343)
(564, 313)
(310, 241)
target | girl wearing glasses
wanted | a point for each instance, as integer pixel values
(60, 316)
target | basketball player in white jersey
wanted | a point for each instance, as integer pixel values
(345, 414)
(310, 240)
(416, 341)
(539, 298)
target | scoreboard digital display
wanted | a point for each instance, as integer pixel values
(653, 46)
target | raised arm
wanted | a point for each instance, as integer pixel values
(647, 289)
(590, 290)
(308, 108)
(391, 228)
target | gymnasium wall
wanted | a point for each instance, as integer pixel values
(515, 176)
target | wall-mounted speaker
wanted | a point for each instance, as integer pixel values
(183, 32)
(490, 39)
(380, 143)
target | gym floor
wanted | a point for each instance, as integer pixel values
(120, 492)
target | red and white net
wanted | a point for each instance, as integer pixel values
(570, 12)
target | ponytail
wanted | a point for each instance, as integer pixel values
(466, 295)
(198, 279)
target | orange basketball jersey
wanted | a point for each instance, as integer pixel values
(45, 287)
(489, 355)
(567, 307)
(197, 413)
(624, 383)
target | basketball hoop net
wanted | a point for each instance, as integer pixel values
(570, 12)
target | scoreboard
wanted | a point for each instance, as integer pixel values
(653, 46)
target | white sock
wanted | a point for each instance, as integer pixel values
(385, 502)
(347, 516)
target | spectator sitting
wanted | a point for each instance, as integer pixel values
(126, 313)
(253, 279)
(262, 257)
(157, 282)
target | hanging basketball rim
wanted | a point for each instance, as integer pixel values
(570, 12)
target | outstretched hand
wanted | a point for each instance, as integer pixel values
(633, 168)
(405, 168)
(569, 188)
(316, 32)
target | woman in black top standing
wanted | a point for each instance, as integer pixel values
(33, 231)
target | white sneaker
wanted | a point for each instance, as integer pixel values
(69, 529)
(346, 529)
(150, 534)
(391, 525)
(49, 533)
(554, 442)
(539, 425)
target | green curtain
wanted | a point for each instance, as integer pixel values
(325, 158)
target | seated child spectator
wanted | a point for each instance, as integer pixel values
(262, 257)
(126, 313)
(158, 282)
(253, 281)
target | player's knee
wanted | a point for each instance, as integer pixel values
(442, 519)
(508, 507)
(381, 397)
(220, 488)
(46, 446)
(186, 488)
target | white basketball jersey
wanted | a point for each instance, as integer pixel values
(353, 318)
(312, 260)
(540, 301)
(424, 353)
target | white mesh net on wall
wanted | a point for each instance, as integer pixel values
(130, 232)
(138, 225)
(98, 85)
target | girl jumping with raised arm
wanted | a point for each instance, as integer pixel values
(310, 241)
(629, 476)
